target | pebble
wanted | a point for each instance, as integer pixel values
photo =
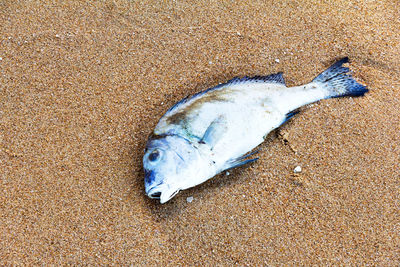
(189, 199)
(277, 60)
(297, 169)
(227, 173)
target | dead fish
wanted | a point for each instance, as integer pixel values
(214, 130)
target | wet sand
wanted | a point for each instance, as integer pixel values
(83, 85)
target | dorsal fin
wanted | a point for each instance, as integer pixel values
(274, 78)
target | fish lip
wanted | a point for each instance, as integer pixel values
(152, 190)
(165, 192)
(165, 199)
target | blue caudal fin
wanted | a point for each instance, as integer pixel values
(339, 82)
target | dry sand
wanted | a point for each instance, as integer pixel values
(83, 85)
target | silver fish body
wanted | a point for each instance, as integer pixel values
(214, 130)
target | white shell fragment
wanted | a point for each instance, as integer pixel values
(189, 199)
(297, 169)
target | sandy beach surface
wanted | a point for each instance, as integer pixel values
(82, 85)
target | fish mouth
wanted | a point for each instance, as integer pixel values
(163, 194)
(154, 192)
(155, 195)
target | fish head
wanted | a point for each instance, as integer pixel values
(169, 164)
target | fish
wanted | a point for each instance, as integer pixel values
(216, 129)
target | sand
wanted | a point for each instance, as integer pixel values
(83, 85)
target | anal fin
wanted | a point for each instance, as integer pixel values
(290, 115)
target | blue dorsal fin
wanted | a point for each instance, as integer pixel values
(272, 78)
(276, 78)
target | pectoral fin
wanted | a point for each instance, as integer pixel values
(215, 131)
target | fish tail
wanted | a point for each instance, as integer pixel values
(338, 82)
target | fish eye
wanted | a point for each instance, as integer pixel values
(154, 155)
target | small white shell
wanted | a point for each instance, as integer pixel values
(297, 169)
